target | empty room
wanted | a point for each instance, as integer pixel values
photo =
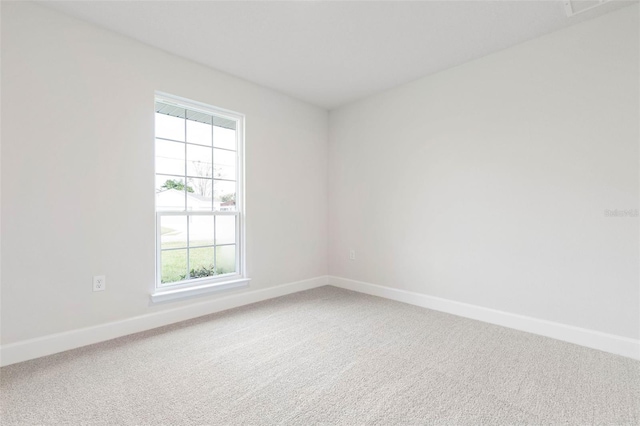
(320, 212)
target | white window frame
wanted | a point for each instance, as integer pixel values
(196, 286)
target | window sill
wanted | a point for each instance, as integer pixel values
(166, 295)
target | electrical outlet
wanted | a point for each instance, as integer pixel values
(99, 283)
(352, 254)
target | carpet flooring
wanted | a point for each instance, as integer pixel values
(325, 356)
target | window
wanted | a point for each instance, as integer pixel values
(198, 196)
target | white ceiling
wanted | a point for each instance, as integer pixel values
(330, 53)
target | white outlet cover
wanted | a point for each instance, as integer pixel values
(99, 283)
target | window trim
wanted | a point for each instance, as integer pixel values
(196, 286)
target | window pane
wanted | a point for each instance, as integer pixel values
(173, 232)
(225, 230)
(200, 133)
(224, 138)
(224, 195)
(199, 194)
(169, 193)
(169, 127)
(196, 170)
(198, 161)
(225, 259)
(174, 266)
(201, 231)
(224, 164)
(201, 262)
(169, 157)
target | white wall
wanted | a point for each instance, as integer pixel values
(487, 183)
(484, 184)
(77, 115)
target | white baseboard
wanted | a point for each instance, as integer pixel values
(34, 348)
(59, 342)
(580, 336)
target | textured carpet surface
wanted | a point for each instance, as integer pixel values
(325, 356)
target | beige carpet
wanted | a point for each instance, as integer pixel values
(325, 356)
